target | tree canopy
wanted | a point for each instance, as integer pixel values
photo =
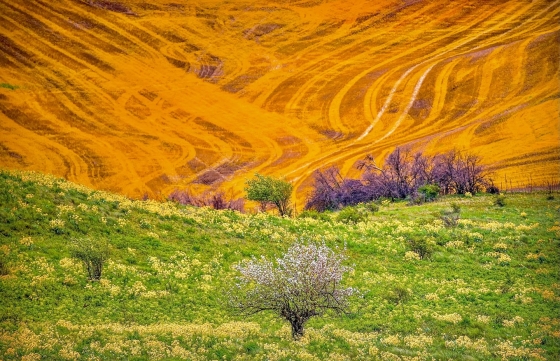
(266, 189)
(304, 283)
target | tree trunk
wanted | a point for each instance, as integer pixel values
(297, 328)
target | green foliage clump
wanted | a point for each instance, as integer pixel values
(420, 246)
(4, 270)
(371, 207)
(352, 215)
(429, 192)
(399, 295)
(311, 213)
(8, 86)
(500, 200)
(269, 190)
(451, 217)
(93, 253)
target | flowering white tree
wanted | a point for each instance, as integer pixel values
(304, 283)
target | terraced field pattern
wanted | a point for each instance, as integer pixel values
(146, 96)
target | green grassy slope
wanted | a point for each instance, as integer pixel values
(490, 290)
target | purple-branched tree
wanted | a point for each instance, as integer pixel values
(304, 283)
(457, 172)
(402, 175)
(327, 190)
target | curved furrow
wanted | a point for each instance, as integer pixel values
(379, 115)
(486, 86)
(84, 66)
(114, 99)
(404, 113)
(31, 24)
(390, 96)
(72, 66)
(313, 72)
(333, 160)
(304, 93)
(335, 104)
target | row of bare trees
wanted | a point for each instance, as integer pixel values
(403, 173)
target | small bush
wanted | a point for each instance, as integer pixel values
(421, 247)
(429, 191)
(352, 215)
(416, 199)
(455, 207)
(500, 201)
(310, 213)
(399, 295)
(4, 270)
(451, 217)
(492, 189)
(371, 207)
(92, 253)
(269, 190)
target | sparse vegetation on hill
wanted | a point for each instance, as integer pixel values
(486, 289)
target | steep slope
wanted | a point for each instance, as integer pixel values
(148, 96)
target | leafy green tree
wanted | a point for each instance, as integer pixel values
(269, 190)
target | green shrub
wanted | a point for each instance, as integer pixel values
(500, 200)
(8, 86)
(429, 192)
(451, 217)
(399, 295)
(371, 207)
(92, 253)
(310, 213)
(352, 215)
(421, 247)
(4, 270)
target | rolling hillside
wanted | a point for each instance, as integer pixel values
(145, 96)
(485, 289)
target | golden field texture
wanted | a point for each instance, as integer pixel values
(145, 96)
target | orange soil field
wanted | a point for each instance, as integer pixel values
(146, 96)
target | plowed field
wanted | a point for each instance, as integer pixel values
(145, 96)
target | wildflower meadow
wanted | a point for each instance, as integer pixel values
(484, 287)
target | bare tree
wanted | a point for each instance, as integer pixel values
(304, 283)
(475, 174)
(459, 173)
(403, 175)
(327, 190)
